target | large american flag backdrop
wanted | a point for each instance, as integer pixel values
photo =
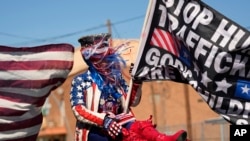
(27, 76)
(191, 43)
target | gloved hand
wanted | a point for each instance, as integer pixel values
(124, 118)
(111, 126)
(131, 68)
(134, 79)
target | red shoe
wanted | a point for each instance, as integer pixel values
(181, 135)
(131, 136)
(147, 130)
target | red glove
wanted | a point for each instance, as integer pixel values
(112, 127)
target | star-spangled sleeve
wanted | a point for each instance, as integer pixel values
(136, 91)
(78, 93)
(78, 88)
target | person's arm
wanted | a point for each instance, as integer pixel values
(78, 103)
(136, 92)
(83, 114)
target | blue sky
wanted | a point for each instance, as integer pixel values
(30, 22)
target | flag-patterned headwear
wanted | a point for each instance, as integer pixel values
(103, 60)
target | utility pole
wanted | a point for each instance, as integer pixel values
(109, 25)
(153, 102)
(188, 112)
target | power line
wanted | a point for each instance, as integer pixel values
(16, 36)
(37, 40)
(129, 20)
(73, 33)
(63, 36)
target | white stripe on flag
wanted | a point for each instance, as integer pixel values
(24, 56)
(28, 92)
(33, 74)
(28, 115)
(13, 105)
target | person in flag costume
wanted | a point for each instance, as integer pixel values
(98, 98)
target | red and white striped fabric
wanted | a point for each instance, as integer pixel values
(27, 76)
(165, 40)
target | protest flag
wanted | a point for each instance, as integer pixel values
(192, 43)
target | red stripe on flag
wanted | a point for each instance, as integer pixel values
(34, 65)
(156, 40)
(165, 40)
(29, 138)
(21, 124)
(31, 84)
(11, 112)
(38, 49)
(13, 97)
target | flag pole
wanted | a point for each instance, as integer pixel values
(145, 31)
(126, 107)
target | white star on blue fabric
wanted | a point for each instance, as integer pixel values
(79, 94)
(79, 78)
(80, 101)
(88, 83)
(89, 77)
(79, 88)
(83, 84)
(245, 89)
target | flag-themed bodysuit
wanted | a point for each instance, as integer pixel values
(90, 104)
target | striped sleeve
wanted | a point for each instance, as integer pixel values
(135, 97)
(78, 95)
